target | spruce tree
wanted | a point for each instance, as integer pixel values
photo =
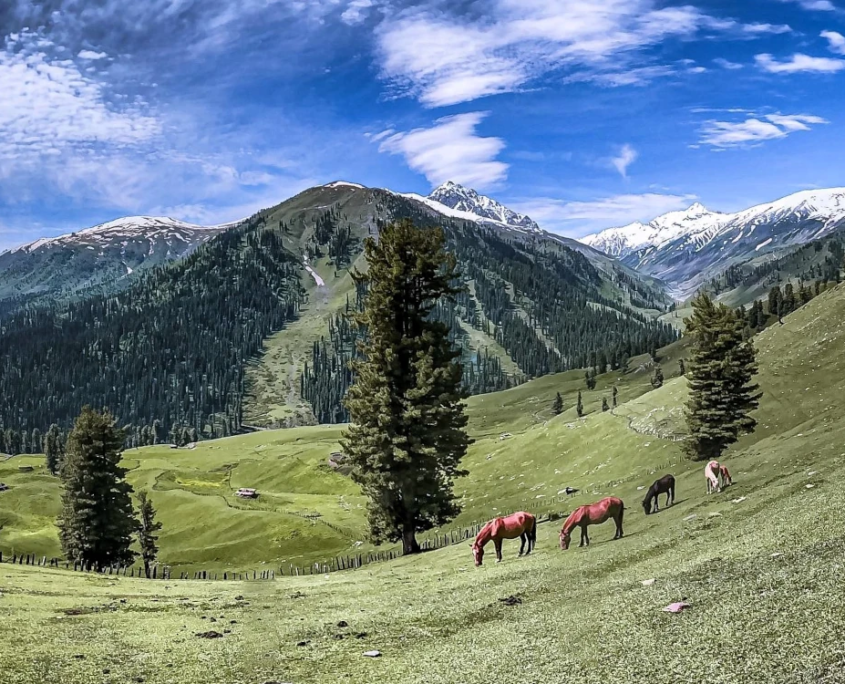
(407, 434)
(615, 394)
(721, 369)
(148, 526)
(604, 406)
(590, 379)
(53, 449)
(682, 367)
(96, 522)
(557, 405)
(579, 407)
(657, 378)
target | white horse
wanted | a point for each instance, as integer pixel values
(711, 472)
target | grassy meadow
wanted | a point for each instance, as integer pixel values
(760, 564)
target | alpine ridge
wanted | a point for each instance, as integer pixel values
(463, 199)
(687, 248)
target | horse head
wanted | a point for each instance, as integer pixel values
(647, 505)
(564, 540)
(477, 553)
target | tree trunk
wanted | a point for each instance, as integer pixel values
(147, 568)
(409, 541)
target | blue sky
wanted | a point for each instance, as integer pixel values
(583, 113)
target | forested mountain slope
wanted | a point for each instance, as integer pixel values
(176, 352)
(105, 258)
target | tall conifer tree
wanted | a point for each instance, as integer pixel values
(407, 436)
(96, 522)
(148, 527)
(720, 372)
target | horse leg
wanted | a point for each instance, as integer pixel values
(498, 544)
(522, 545)
(618, 521)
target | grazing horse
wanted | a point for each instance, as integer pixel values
(592, 514)
(522, 525)
(665, 485)
(711, 472)
(725, 475)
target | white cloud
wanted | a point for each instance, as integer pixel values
(451, 150)
(442, 59)
(50, 107)
(758, 28)
(356, 12)
(755, 130)
(726, 64)
(627, 156)
(816, 5)
(836, 41)
(580, 218)
(799, 63)
(91, 55)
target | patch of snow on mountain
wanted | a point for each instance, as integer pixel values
(343, 184)
(763, 244)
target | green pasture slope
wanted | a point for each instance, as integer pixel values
(761, 564)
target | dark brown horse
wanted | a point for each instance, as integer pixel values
(592, 514)
(522, 525)
(665, 485)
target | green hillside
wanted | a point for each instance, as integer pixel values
(220, 341)
(759, 564)
(612, 452)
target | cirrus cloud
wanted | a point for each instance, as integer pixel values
(444, 59)
(799, 63)
(450, 150)
(755, 130)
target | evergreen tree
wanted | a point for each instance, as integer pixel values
(579, 408)
(590, 379)
(148, 526)
(788, 299)
(682, 367)
(615, 393)
(408, 434)
(604, 406)
(722, 366)
(53, 449)
(657, 378)
(775, 299)
(96, 522)
(557, 405)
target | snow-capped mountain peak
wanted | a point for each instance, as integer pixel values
(684, 247)
(130, 228)
(459, 198)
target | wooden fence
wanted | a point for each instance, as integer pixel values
(337, 564)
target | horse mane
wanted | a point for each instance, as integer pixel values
(573, 519)
(487, 528)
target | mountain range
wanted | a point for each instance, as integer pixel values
(245, 325)
(687, 248)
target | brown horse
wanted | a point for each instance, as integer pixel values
(592, 514)
(522, 525)
(665, 485)
(725, 475)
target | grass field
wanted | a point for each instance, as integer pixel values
(306, 511)
(760, 564)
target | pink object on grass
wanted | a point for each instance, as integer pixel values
(676, 607)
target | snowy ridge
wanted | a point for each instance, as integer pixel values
(344, 184)
(459, 198)
(129, 227)
(701, 226)
(686, 248)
